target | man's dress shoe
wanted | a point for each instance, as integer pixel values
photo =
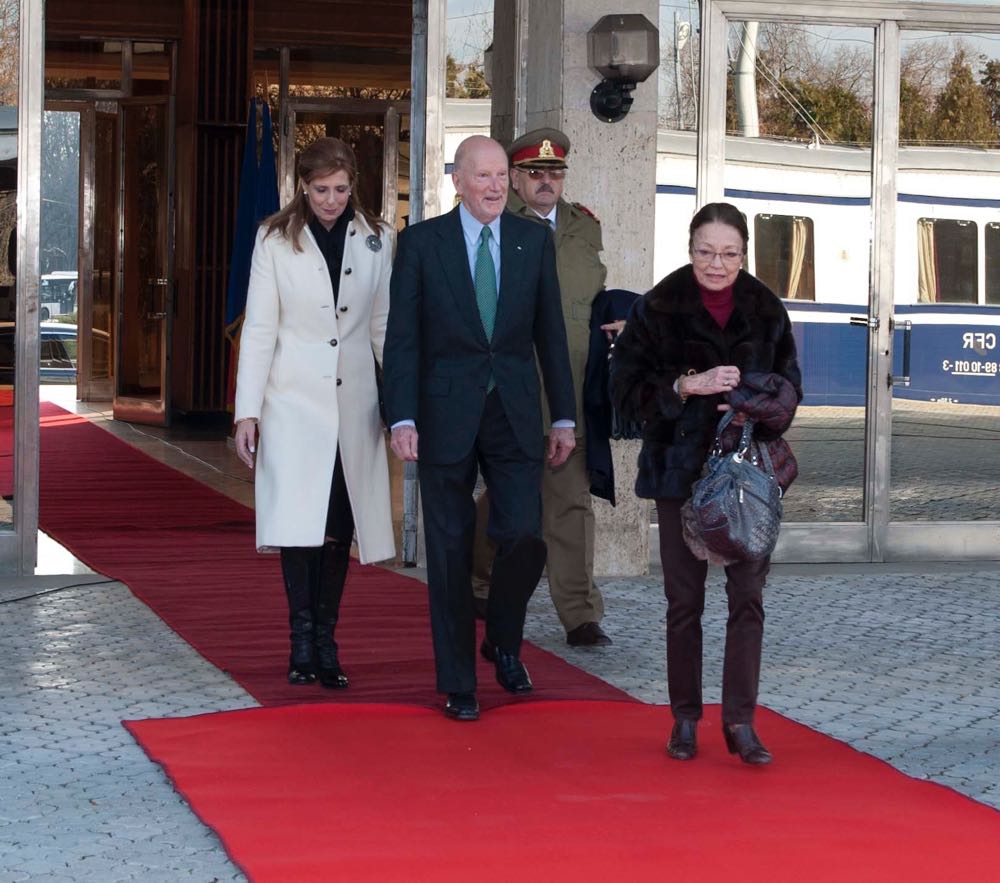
(590, 634)
(683, 744)
(742, 740)
(511, 673)
(462, 706)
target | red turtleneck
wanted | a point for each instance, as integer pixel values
(718, 303)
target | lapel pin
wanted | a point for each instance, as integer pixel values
(374, 243)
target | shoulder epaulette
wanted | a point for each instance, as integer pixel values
(586, 211)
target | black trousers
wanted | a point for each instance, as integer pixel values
(339, 524)
(449, 510)
(684, 585)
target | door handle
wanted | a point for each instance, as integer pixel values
(907, 328)
(871, 322)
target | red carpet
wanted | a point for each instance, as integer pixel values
(556, 792)
(187, 551)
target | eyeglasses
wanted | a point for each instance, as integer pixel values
(707, 256)
(539, 174)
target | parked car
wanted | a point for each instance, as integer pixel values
(57, 353)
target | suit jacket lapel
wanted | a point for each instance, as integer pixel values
(455, 262)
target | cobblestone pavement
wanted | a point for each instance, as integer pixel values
(80, 799)
(902, 665)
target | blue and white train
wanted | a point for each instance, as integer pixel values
(809, 213)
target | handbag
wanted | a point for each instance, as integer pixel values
(736, 504)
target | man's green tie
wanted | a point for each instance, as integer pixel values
(486, 283)
(486, 290)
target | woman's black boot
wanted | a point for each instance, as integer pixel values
(742, 740)
(297, 566)
(333, 567)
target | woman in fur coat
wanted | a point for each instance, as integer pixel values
(685, 347)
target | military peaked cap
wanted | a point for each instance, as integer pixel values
(542, 148)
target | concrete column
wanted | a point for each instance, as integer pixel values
(612, 172)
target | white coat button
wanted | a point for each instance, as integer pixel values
(343, 309)
(347, 272)
(333, 342)
(339, 381)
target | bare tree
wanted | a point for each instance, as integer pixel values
(9, 55)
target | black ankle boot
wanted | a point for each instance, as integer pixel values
(334, 563)
(296, 567)
(742, 740)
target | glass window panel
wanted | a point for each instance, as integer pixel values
(783, 254)
(944, 458)
(151, 68)
(349, 72)
(677, 108)
(469, 33)
(798, 165)
(947, 261)
(60, 216)
(83, 64)
(993, 263)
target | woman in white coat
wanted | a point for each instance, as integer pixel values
(306, 392)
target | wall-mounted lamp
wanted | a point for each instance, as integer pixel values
(625, 50)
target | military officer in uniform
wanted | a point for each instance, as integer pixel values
(537, 176)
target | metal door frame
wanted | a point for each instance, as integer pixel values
(19, 546)
(875, 538)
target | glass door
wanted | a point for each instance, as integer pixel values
(100, 173)
(78, 245)
(144, 296)
(797, 162)
(944, 464)
(372, 128)
(861, 143)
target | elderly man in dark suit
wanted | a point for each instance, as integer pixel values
(474, 301)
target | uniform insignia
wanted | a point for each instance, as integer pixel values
(546, 151)
(586, 211)
(374, 242)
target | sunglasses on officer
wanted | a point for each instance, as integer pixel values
(539, 174)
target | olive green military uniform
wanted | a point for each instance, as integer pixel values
(567, 515)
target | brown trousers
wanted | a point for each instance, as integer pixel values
(568, 531)
(684, 585)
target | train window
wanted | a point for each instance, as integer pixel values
(993, 263)
(947, 261)
(783, 254)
